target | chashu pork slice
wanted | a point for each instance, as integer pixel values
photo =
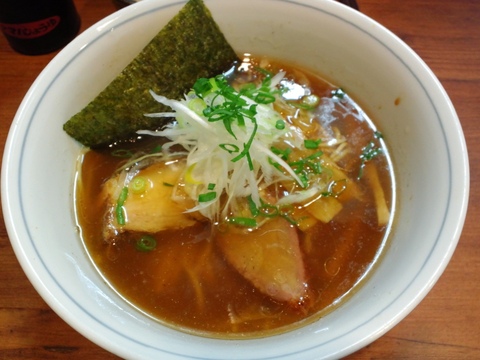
(151, 209)
(270, 258)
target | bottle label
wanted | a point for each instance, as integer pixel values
(31, 30)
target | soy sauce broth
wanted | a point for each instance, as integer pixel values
(187, 283)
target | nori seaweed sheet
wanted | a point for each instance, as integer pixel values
(189, 47)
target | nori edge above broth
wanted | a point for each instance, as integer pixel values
(189, 47)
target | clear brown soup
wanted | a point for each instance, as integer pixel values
(186, 282)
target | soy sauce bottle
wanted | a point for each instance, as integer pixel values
(35, 27)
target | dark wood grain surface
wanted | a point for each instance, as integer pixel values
(446, 325)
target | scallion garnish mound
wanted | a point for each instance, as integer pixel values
(231, 136)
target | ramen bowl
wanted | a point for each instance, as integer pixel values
(384, 75)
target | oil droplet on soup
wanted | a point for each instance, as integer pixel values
(277, 264)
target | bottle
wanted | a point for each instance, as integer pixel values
(123, 3)
(34, 27)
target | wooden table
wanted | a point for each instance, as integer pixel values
(446, 325)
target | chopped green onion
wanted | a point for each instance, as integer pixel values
(289, 219)
(246, 147)
(230, 148)
(307, 166)
(243, 221)
(253, 207)
(314, 155)
(211, 186)
(280, 125)
(119, 207)
(218, 80)
(248, 87)
(282, 153)
(138, 185)
(218, 114)
(202, 87)
(250, 112)
(303, 178)
(306, 163)
(146, 243)
(249, 161)
(368, 153)
(206, 197)
(312, 144)
(285, 211)
(275, 164)
(264, 98)
(233, 108)
(167, 184)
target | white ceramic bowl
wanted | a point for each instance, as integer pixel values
(423, 132)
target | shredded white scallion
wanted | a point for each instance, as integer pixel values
(212, 148)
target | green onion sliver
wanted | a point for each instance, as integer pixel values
(252, 206)
(230, 148)
(206, 197)
(243, 221)
(312, 144)
(282, 153)
(119, 208)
